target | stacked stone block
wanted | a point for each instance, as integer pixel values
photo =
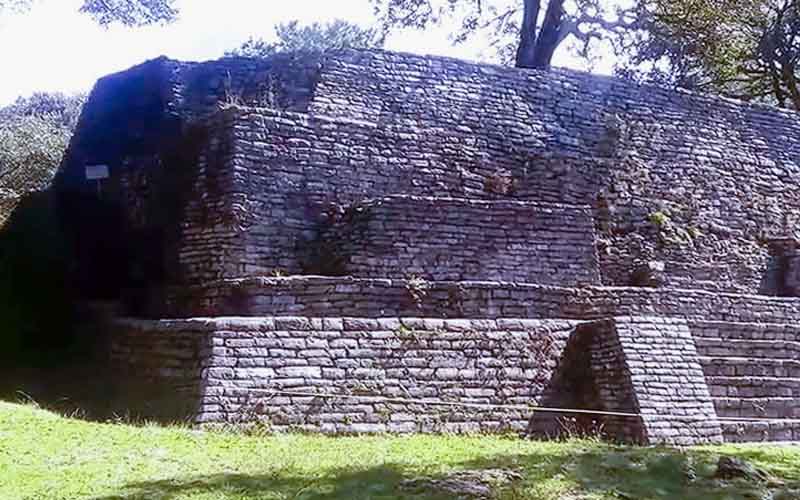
(351, 125)
(753, 372)
(451, 239)
(642, 375)
(389, 375)
(666, 379)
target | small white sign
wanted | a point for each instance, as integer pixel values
(96, 172)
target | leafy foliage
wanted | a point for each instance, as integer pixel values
(748, 49)
(131, 12)
(525, 32)
(13, 5)
(30, 151)
(105, 12)
(34, 133)
(315, 37)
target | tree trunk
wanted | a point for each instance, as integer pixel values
(792, 85)
(776, 85)
(526, 51)
(549, 36)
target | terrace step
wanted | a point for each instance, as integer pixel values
(386, 298)
(745, 331)
(748, 432)
(730, 366)
(761, 349)
(769, 407)
(752, 387)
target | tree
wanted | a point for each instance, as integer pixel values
(315, 37)
(34, 133)
(60, 108)
(527, 32)
(105, 12)
(747, 49)
(131, 12)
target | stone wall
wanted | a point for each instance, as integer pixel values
(161, 366)
(643, 373)
(280, 369)
(752, 373)
(316, 296)
(353, 375)
(456, 239)
(295, 171)
(692, 181)
(168, 196)
(211, 244)
(666, 380)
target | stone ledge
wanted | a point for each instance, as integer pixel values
(370, 297)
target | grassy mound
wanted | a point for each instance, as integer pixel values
(44, 456)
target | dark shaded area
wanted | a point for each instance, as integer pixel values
(95, 391)
(377, 482)
(125, 125)
(37, 303)
(571, 386)
(125, 116)
(627, 473)
(125, 230)
(574, 385)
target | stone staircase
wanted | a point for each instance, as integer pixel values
(753, 372)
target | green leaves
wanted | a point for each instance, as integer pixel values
(34, 134)
(316, 37)
(747, 49)
(105, 12)
(131, 12)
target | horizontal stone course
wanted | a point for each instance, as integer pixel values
(750, 387)
(752, 371)
(395, 297)
(438, 238)
(748, 432)
(772, 407)
(483, 361)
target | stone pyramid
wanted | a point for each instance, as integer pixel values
(367, 241)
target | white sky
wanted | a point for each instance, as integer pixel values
(54, 48)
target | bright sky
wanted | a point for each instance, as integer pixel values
(54, 48)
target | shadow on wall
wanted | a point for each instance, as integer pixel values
(640, 473)
(574, 384)
(95, 392)
(36, 308)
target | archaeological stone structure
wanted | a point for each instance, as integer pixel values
(368, 241)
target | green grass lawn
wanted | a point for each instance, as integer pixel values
(44, 456)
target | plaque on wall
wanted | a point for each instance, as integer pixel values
(96, 172)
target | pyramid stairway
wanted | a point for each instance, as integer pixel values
(753, 372)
